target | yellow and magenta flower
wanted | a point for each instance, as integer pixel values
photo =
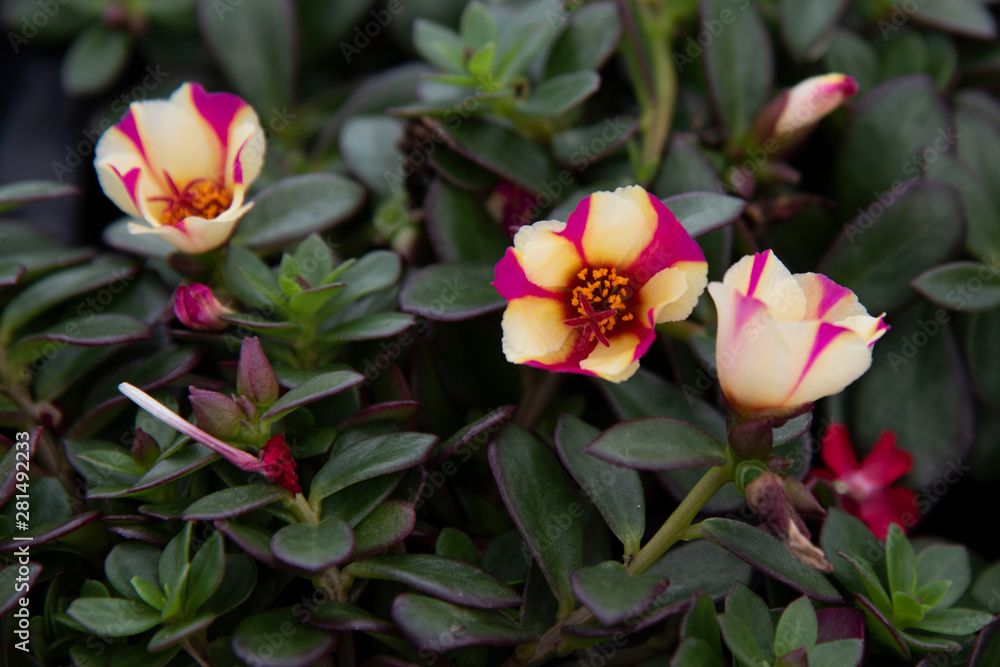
(183, 166)
(787, 340)
(584, 295)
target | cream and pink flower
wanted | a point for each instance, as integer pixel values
(795, 112)
(786, 340)
(584, 295)
(183, 165)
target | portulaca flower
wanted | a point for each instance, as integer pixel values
(797, 110)
(197, 308)
(183, 165)
(584, 295)
(786, 340)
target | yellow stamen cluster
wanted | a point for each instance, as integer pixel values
(204, 199)
(605, 290)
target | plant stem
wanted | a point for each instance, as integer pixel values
(197, 648)
(329, 580)
(668, 534)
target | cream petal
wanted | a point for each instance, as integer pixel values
(112, 182)
(764, 277)
(826, 300)
(615, 363)
(620, 225)
(533, 330)
(247, 145)
(548, 259)
(673, 292)
(811, 100)
(826, 358)
(196, 235)
(869, 328)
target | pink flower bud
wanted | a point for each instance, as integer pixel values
(216, 413)
(197, 308)
(254, 377)
(795, 112)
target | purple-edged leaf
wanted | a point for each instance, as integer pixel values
(873, 587)
(953, 286)
(313, 389)
(987, 649)
(333, 615)
(807, 25)
(398, 411)
(449, 579)
(301, 645)
(11, 582)
(8, 464)
(612, 594)
(451, 292)
(192, 457)
(459, 226)
(358, 500)
(314, 547)
(89, 331)
(559, 94)
(881, 630)
(658, 444)
(614, 490)
(370, 457)
(169, 635)
(838, 653)
(930, 644)
(119, 237)
(438, 626)
(740, 640)
(797, 628)
(25, 192)
(693, 652)
(958, 622)
(948, 563)
(546, 514)
(477, 433)
(703, 212)
(747, 605)
(769, 556)
(967, 18)
(50, 531)
(385, 526)
(10, 272)
(370, 327)
(739, 63)
(835, 623)
(233, 502)
(252, 540)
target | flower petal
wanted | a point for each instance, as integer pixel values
(811, 100)
(617, 362)
(619, 226)
(888, 506)
(195, 235)
(533, 330)
(549, 259)
(672, 293)
(886, 463)
(764, 277)
(826, 358)
(837, 451)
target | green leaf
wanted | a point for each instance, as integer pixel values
(956, 622)
(192, 457)
(119, 237)
(250, 279)
(451, 292)
(747, 605)
(254, 45)
(615, 491)
(449, 579)
(889, 127)
(315, 388)
(314, 547)
(911, 230)
(968, 18)
(740, 640)
(612, 594)
(693, 652)
(376, 271)
(19, 193)
(581, 146)
(837, 653)
(982, 216)
(685, 169)
(385, 526)
(96, 57)
(370, 148)
(906, 610)
(233, 502)
(148, 593)
(173, 634)
(738, 62)
(297, 206)
(947, 563)
(88, 331)
(700, 624)
(50, 291)
(369, 327)
(334, 615)
(301, 645)
(806, 25)
(370, 457)
(547, 516)
(797, 627)
(901, 561)
(127, 560)
(11, 588)
(658, 444)
(984, 355)
(845, 532)
(851, 54)
(356, 501)
(870, 580)
(881, 631)
(453, 543)
(175, 557)
(208, 569)
(173, 607)
(113, 617)
(962, 286)
(769, 556)
(477, 26)
(702, 212)
(591, 35)
(437, 626)
(459, 227)
(930, 595)
(559, 94)
(525, 36)
(114, 460)
(439, 45)
(238, 581)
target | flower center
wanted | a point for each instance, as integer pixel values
(200, 197)
(600, 298)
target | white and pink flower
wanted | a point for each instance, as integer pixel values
(797, 110)
(584, 295)
(786, 340)
(183, 165)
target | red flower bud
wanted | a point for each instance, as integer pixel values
(277, 463)
(196, 307)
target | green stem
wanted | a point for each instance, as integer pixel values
(330, 580)
(196, 646)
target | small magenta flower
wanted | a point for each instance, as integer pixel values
(511, 205)
(197, 308)
(795, 112)
(183, 166)
(864, 490)
(784, 340)
(275, 461)
(584, 295)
